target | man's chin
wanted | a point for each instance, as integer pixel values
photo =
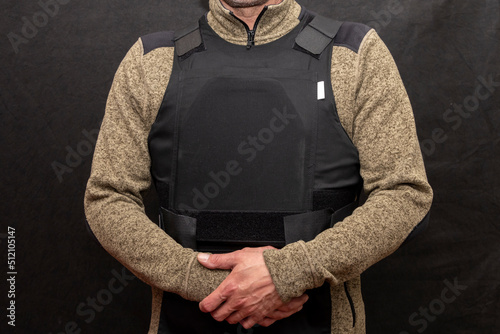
(245, 3)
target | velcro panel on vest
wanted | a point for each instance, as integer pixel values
(318, 34)
(228, 231)
(187, 39)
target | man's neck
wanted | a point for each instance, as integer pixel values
(249, 14)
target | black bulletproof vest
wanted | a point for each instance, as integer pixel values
(248, 150)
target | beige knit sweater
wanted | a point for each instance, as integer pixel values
(375, 112)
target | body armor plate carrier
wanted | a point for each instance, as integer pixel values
(248, 150)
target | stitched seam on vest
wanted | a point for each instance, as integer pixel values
(350, 47)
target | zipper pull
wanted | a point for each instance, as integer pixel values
(251, 39)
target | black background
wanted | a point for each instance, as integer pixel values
(53, 90)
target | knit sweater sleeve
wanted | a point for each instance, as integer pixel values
(121, 174)
(375, 111)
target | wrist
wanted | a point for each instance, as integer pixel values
(291, 270)
(201, 281)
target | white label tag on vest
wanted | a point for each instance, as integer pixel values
(321, 90)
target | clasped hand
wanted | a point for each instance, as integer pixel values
(247, 295)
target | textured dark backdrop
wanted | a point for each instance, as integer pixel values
(57, 63)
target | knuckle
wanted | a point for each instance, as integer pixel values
(203, 307)
(252, 309)
(230, 288)
(214, 259)
(248, 323)
(239, 303)
(244, 288)
(259, 314)
(218, 317)
(266, 322)
(233, 319)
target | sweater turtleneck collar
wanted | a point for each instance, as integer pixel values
(274, 22)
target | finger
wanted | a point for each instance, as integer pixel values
(230, 311)
(218, 296)
(222, 313)
(248, 323)
(251, 317)
(278, 315)
(294, 303)
(217, 261)
(266, 322)
(238, 315)
(234, 317)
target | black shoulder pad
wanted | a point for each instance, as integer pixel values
(351, 35)
(317, 35)
(156, 40)
(187, 39)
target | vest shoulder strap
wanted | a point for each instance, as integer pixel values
(184, 40)
(318, 34)
(157, 40)
(187, 40)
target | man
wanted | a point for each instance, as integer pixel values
(258, 126)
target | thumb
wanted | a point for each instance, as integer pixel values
(217, 261)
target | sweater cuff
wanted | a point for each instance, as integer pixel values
(200, 281)
(291, 270)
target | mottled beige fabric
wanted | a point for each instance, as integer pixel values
(374, 110)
